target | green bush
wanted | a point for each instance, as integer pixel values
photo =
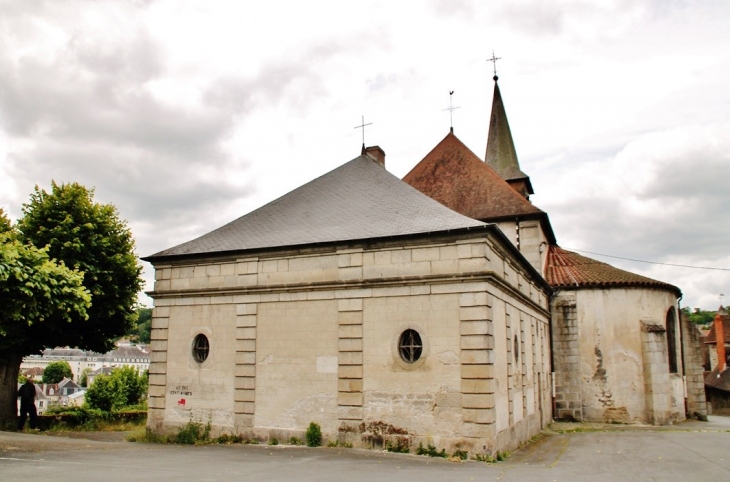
(193, 433)
(294, 441)
(430, 451)
(461, 454)
(124, 387)
(314, 435)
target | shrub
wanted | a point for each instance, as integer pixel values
(314, 435)
(430, 451)
(273, 441)
(461, 454)
(193, 433)
(294, 441)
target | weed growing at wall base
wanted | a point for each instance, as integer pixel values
(314, 435)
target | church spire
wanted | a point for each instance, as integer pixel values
(501, 155)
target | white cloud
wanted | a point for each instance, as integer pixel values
(188, 114)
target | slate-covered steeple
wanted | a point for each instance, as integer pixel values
(501, 155)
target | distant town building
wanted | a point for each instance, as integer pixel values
(125, 354)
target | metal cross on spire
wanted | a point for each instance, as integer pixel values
(362, 126)
(451, 110)
(494, 61)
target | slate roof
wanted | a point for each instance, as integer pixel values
(566, 269)
(501, 154)
(454, 176)
(358, 200)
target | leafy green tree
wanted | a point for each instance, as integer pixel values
(36, 292)
(57, 371)
(144, 324)
(125, 386)
(140, 331)
(91, 238)
(84, 379)
(699, 317)
(68, 276)
(105, 393)
(132, 384)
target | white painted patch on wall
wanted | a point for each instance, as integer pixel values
(326, 364)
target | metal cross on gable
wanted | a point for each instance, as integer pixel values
(494, 62)
(451, 110)
(362, 126)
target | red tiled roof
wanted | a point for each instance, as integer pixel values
(566, 269)
(712, 336)
(454, 176)
(717, 380)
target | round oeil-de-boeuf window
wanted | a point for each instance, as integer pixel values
(201, 347)
(410, 346)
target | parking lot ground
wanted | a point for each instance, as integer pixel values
(691, 450)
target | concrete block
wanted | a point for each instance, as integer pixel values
(468, 313)
(246, 333)
(244, 407)
(476, 299)
(349, 413)
(477, 371)
(350, 344)
(158, 357)
(472, 400)
(243, 420)
(159, 334)
(245, 371)
(245, 345)
(349, 305)
(156, 391)
(158, 368)
(352, 273)
(350, 331)
(246, 321)
(353, 399)
(349, 385)
(350, 317)
(157, 379)
(245, 358)
(478, 385)
(350, 371)
(244, 383)
(156, 402)
(350, 358)
(245, 395)
(247, 309)
(476, 328)
(477, 357)
(477, 342)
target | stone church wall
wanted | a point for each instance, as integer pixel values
(611, 356)
(312, 336)
(529, 238)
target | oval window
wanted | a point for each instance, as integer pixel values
(201, 347)
(410, 346)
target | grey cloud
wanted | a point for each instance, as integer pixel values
(684, 210)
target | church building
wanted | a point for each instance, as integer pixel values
(437, 309)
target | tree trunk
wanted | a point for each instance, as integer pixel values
(9, 369)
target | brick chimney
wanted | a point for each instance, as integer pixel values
(376, 154)
(720, 340)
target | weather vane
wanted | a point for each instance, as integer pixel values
(451, 110)
(362, 126)
(494, 61)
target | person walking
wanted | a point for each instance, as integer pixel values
(27, 396)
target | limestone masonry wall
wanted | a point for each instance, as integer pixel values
(313, 337)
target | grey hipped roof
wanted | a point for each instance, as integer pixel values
(358, 200)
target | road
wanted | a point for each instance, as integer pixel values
(689, 451)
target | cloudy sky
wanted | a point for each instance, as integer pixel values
(186, 115)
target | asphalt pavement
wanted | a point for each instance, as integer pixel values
(568, 452)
